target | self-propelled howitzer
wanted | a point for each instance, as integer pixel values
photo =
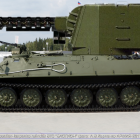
(101, 73)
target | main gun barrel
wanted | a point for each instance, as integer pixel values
(12, 44)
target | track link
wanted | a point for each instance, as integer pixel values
(70, 109)
(90, 86)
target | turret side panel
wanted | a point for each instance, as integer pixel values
(107, 29)
(119, 28)
(86, 33)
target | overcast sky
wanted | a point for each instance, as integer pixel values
(40, 8)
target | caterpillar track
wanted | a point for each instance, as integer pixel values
(69, 107)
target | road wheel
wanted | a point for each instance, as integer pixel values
(8, 97)
(31, 97)
(81, 97)
(56, 97)
(130, 96)
(106, 97)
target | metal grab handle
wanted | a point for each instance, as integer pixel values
(40, 69)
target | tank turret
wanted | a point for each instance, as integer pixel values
(106, 29)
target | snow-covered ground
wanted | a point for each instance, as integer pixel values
(106, 122)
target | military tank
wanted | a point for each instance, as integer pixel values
(100, 75)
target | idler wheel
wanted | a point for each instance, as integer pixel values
(56, 97)
(31, 97)
(81, 97)
(8, 97)
(130, 96)
(106, 97)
